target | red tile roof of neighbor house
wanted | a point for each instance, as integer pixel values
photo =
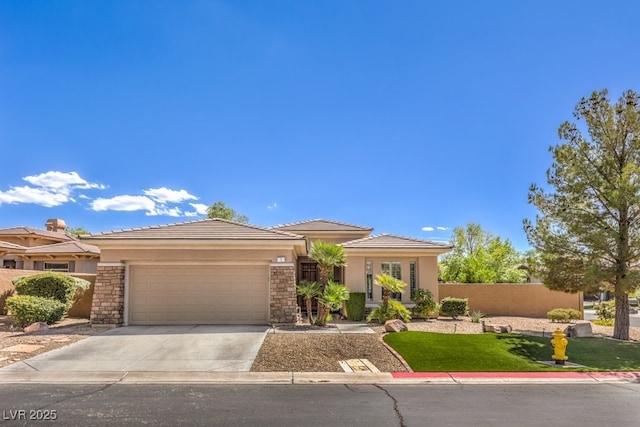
(390, 241)
(216, 229)
(28, 231)
(320, 225)
(64, 248)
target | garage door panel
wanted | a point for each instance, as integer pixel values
(198, 294)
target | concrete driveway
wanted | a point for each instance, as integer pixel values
(155, 348)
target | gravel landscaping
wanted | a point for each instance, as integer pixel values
(15, 345)
(305, 351)
(318, 352)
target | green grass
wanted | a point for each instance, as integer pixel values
(433, 352)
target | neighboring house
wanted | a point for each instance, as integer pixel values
(27, 248)
(215, 271)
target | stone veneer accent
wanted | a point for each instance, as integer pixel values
(283, 299)
(107, 307)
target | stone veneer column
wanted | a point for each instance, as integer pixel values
(107, 307)
(283, 299)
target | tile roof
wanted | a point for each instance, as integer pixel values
(390, 241)
(205, 229)
(319, 225)
(63, 248)
(28, 231)
(11, 246)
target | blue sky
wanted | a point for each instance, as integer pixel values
(411, 117)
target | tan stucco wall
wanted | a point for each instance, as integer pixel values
(512, 299)
(427, 274)
(178, 255)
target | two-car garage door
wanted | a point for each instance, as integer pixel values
(198, 294)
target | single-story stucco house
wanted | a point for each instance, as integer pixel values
(52, 249)
(214, 271)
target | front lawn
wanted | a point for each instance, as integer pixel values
(434, 352)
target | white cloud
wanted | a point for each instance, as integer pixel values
(124, 203)
(54, 179)
(37, 196)
(175, 212)
(427, 228)
(166, 195)
(155, 202)
(442, 228)
(272, 205)
(200, 209)
(47, 189)
(56, 188)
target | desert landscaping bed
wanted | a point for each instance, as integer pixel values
(15, 345)
(308, 352)
(316, 352)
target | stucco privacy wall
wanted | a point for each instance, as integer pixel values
(512, 299)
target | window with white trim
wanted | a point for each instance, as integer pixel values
(393, 269)
(369, 280)
(413, 283)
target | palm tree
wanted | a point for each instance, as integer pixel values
(332, 298)
(328, 256)
(309, 291)
(389, 285)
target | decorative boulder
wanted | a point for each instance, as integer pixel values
(36, 327)
(395, 325)
(579, 330)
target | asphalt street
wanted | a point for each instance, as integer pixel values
(584, 405)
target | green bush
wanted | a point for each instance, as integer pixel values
(27, 309)
(394, 310)
(606, 310)
(52, 285)
(355, 306)
(425, 304)
(454, 307)
(563, 315)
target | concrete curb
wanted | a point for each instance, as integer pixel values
(317, 378)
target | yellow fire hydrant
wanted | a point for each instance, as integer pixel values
(559, 343)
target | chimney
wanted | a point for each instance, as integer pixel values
(55, 224)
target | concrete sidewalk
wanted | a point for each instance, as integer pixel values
(441, 378)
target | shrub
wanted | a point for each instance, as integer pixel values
(27, 309)
(476, 316)
(425, 304)
(52, 285)
(605, 310)
(454, 307)
(393, 310)
(355, 306)
(563, 315)
(3, 298)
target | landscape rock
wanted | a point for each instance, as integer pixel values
(579, 330)
(488, 328)
(36, 327)
(395, 325)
